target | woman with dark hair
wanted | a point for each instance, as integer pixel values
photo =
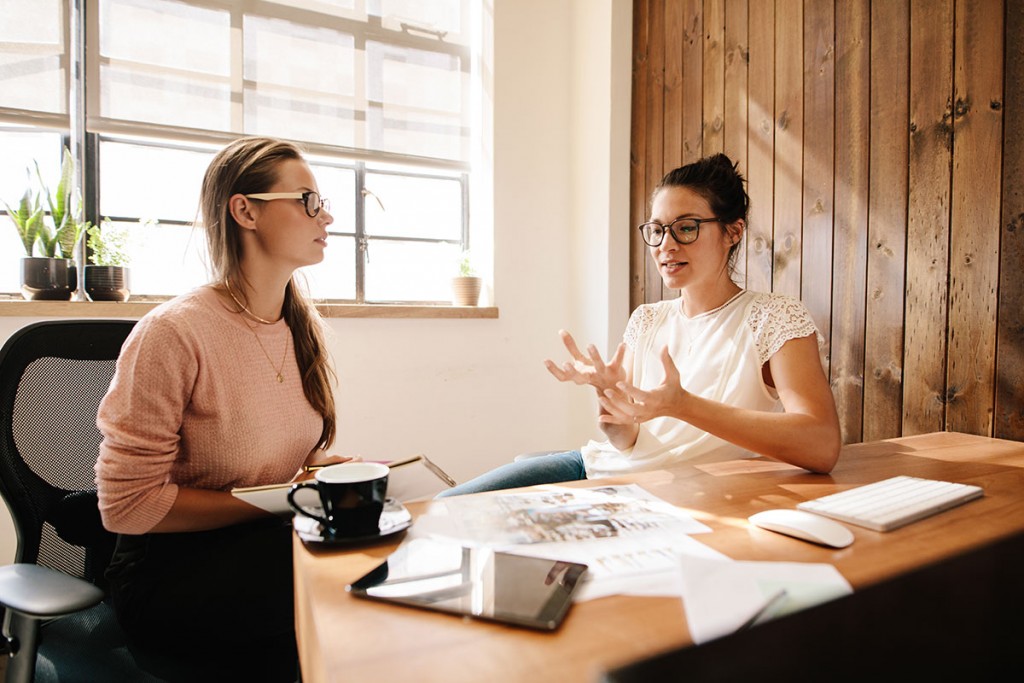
(226, 386)
(719, 373)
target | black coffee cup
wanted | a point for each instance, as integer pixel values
(352, 496)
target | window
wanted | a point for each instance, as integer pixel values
(377, 91)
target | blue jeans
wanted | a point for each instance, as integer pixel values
(543, 469)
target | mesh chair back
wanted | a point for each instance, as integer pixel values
(53, 375)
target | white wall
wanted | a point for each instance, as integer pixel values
(473, 393)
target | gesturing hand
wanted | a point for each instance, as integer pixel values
(590, 369)
(625, 404)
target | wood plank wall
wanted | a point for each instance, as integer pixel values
(883, 144)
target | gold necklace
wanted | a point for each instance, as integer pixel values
(280, 367)
(245, 309)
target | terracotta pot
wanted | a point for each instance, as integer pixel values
(466, 291)
(107, 283)
(48, 279)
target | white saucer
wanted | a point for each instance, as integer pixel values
(393, 519)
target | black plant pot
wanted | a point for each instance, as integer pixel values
(107, 283)
(48, 279)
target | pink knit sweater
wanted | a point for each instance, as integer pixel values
(195, 402)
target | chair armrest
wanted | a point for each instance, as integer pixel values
(43, 593)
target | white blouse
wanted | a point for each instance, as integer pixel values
(719, 355)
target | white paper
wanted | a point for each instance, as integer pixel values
(562, 514)
(645, 565)
(629, 539)
(272, 498)
(719, 597)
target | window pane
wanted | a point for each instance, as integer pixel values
(335, 276)
(32, 60)
(166, 259)
(419, 102)
(339, 186)
(21, 150)
(414, 207)
(300, 82)
(320, 71)
(140, 181)
(410, 271)
(146, 75)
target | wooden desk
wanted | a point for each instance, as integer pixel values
(345, 639)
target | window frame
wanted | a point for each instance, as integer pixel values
(93, 130)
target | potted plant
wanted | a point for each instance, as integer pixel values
(107, 276)
(52, 275)
(466, 285)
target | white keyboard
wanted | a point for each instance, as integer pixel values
(892, 503)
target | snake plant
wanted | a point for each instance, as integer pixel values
(68, 227)
(27, 219)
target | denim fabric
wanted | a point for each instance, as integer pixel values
(544, 469)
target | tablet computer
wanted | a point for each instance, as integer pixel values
(481, 583)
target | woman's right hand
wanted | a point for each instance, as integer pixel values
(590, 369)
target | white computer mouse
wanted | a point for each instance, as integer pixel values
(804, 525)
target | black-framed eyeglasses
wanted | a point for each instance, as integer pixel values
(311, 200)
(683, 230)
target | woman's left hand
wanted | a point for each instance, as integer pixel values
(625, 404)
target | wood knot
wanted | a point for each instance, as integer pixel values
(962, 108)
(827, 56)
(1015, 223)
(783, 122)
(995, 105)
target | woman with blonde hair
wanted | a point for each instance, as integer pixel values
(228, 385)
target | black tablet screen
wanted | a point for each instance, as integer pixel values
(477, 582)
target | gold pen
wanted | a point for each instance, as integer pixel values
(314, 468)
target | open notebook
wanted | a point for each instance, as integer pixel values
(412, 478)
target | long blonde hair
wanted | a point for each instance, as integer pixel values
(246, 166)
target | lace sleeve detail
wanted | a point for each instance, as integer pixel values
(639, 324)
(777, 318)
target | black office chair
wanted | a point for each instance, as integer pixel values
(53, 375)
